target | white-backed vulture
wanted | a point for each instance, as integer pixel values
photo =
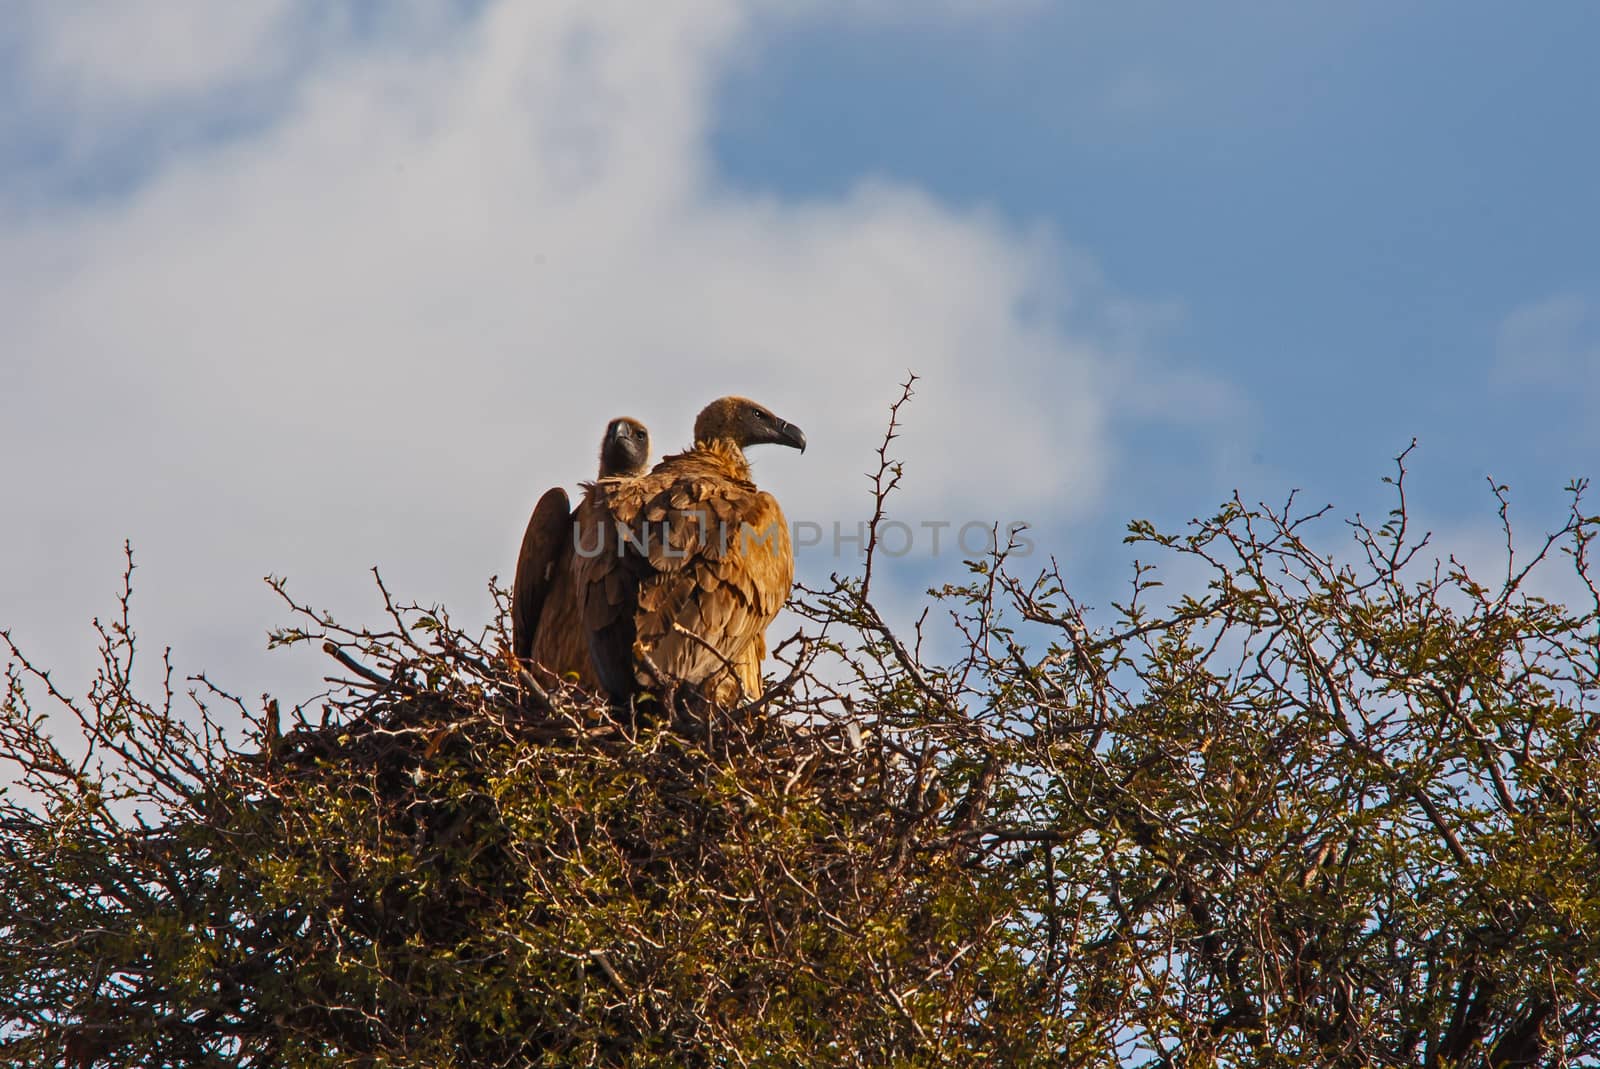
(545, 626)
(680, 571)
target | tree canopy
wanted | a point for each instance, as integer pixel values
(1314, 809)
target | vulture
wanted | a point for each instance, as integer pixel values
(680, 571)
(544, 610)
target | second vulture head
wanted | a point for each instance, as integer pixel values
(744, 423)
(625, 450)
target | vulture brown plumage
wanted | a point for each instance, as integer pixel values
(680, 571)
(545, 626)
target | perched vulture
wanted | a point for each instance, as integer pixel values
(680, 571)
(544, 609)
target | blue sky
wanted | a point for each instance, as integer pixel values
(302, 288)
(1344, 202)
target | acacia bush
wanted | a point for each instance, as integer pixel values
(1311, 812)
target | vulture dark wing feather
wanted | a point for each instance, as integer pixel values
(546, 548)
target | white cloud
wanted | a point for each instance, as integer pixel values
(899, 11)
(373, 330)
(1552, 342)
(103, 53)
(1135, 94)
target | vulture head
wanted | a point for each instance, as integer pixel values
(625, 450)
(742, 422)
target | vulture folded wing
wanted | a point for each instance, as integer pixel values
(546, 547)
(560, 644)
(717, 585)
(685, 566)
(606, 568)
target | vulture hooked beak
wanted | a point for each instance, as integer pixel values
(791, 436)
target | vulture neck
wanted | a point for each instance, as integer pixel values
(726, 454)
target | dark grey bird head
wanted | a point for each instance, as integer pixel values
(625, 450)
(744, 423)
